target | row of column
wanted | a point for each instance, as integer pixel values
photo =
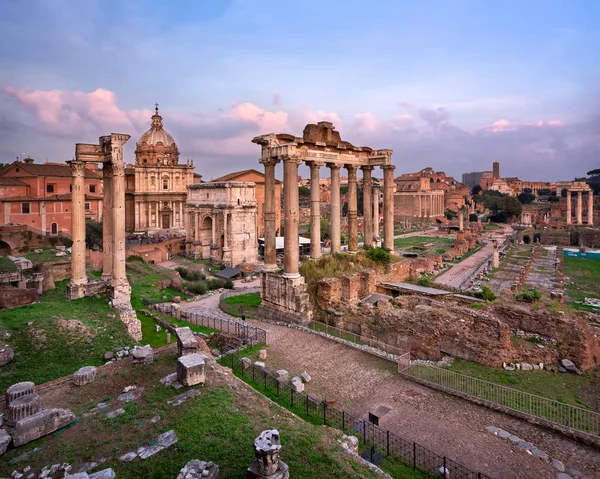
(579, 211)
(429, 205)
(291, 211)
(144, 210)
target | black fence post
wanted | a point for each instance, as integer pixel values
(414, 455)
(253, 380)
(324, 413)
(365, 432)
(343, 421)
(265, 374)
(307, 413)
(388, 444)
(445, 470)
(292, 397)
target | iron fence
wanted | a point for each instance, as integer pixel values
(241, 330)
(374, 441)
(575, 419)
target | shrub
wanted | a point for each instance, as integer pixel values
(53, 240)
(197, 287)
(530, 296)
(6, 265)
(190, 275)
(486, 293)
(135, 257)
(228, 284)
(215, 283)
(425, 281)
(379, 255)
(67, 242)
(477, 305)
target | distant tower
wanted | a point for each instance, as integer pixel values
(496, 170)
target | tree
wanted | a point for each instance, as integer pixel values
(325, 229)
(544, 192)
(526, 198)
(595, 172)
(473, 218)
(304, 191)
(450, 215)
(93, 234)
(476, 189)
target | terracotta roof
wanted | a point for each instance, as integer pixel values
(8, 181)
(52, 169)
(237, 174)
(33, 199)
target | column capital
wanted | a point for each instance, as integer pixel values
(351, 168)
(77, 167)
(367, 168)
(291, 159)
(388, 167)
(315, 164)
(333, 166)
(268, 161)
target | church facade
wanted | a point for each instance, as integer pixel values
(157, 184)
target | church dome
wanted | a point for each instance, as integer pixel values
(156, 134)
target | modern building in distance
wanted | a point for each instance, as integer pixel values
(156, 190)
(38, 196)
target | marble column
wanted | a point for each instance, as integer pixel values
(420, 206)
(579, 207)
(568, 207)
(590, 218)
(315, 211)
(213, 237)
(197, 227)
(461, 221)
(335, 208)
(352, 210)
(122, 290)
(388, 206)
(225, 233)
(376, 211)
(78, 274)
(367, 216)
(291, 239)
(270, 217)
(107, 223)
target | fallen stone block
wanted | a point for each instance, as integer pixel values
(526, 367)
(168, 380)
(108, 355)
(196, 469)
(167, 439)
(130, 393)
(297, 386)
(4, 441)
(7, 354)
(145, 452)
(22, 407)
(558, 465)
(281, 374)
(104, 474)
(186, 342)
(41, 424)
(305, 377)
(84, 376)
(262, 354)
(130, 456)
(88, 466)
(142, 355)
(539, 453)
(191, 369)
(181, 398)
(259, 364)
(18, 390)
(78, 475)
(115, 413)
(569, 366)
(246, 362)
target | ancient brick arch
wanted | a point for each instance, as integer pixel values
(6, 248)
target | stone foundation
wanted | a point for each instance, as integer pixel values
(285, 299)
(132, 323)
(13, 297)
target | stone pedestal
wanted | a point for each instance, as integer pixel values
(84, 375)
(142, 355)
(285, 299)
(186, 341)
(496, 256)
(17, 390)
(23, 407)
(267, 464)
(190, 369)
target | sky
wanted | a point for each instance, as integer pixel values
(448, 84)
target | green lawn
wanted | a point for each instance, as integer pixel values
(54, 338)
(46, 256)
(244, 303)
(413, 241)
(586, 275)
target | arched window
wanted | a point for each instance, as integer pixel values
(54, 229)
(165, 183)
(152, 181)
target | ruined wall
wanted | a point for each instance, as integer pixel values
(556, 237)
(13, 297)
(589, 237)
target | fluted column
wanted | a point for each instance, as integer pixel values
(376, 210)
(270, 217)
(591, 207)
(197, 226)
(213, 237)
(388, 206)
(568, 207)
(579, 207)
(291, 240)
(225, 233)
(315, 211)
(367, 216)
(119, 275)
(107, 222)
(335, 208)
(352, 210)
(78, 274)
(420, 207)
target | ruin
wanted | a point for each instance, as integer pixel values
(109, 152)
(267, 449)
(284, 295)
(578, 187)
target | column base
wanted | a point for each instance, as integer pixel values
(291, 275)
(285, 299)
(270, 268)
(76, 291)
(226, 256)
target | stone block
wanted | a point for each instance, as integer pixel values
(305, 377)
(281, 374)
(191, 369)
(267, 449)
(22, 407)
(17, 390)
(4, 441)
(115, 413)
(259, 364)
(246, 362)
(142, 355)
(84, 376)
(569, 366)
(104, 474)
(526, 367)
(40, 424)
(262, 354)
(297, 384)
(6, 355)
(186, 342)
(196, 469)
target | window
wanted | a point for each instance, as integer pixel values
(25, 208)
(87, 206)
(49, 188)
(71, 188)
(165, 184)
(92, 188)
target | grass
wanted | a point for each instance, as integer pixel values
(220, 426)
(46, 256)
(244, 303)
(563, 388)
(150, 336)
(45, 349)
(469, 253)
(585, 273)
(413, 241)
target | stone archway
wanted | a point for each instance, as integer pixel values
(206, 236)
(526, 239)
(5, 248)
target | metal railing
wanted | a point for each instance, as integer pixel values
(573, 418)
(373, 439)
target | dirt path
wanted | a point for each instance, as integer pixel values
(449, 426)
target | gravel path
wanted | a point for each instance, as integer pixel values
(449, 426)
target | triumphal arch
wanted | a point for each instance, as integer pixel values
(114, 281)
(284, 295)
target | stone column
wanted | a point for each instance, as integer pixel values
(197, 227)
(367, 217)
(107, 222)
(78, 275)
(335, 208)
(579, 207)
(388, 206)
(270, 217)
(376, 210)
(290, 240)
(315, 211)
(568, 207)
(590, 207)
(420, 206)
(352, 210)
(495, 256)
(225, 241)
(213, 224)
(121, 285)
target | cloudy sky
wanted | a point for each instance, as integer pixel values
(451, 84)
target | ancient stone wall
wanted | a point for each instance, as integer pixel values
(589, 238)
(13, 297)
(556, 237)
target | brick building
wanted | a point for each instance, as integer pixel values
(39, 196)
